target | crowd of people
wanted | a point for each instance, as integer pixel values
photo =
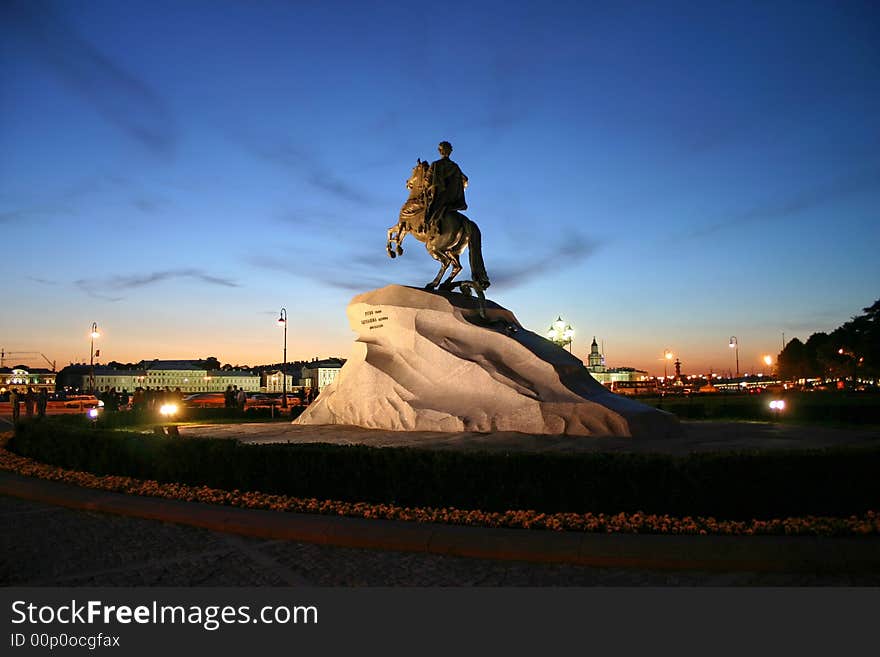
(112, 399)
(34, 401)
(234, 397)
(144, 399)
(153, 398)
(141, 399)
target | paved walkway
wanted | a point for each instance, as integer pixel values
(57, 534)
(696, 437)
(48, 545)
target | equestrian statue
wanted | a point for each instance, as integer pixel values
(431, 215)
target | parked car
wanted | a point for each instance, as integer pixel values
(262, 399)
(205, 400)
(82, 401)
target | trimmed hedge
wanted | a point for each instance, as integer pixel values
(811, 407)
(734, 486)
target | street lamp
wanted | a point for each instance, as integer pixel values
(94, 334)
(735, 346)
(561, 333)
(667, 356)
(282, 321)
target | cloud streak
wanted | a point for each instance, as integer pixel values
(573, 251)
(150, 204)
(41, 281)
(123, 99)
(360, 270)
(310, 168)
(11, 216)
(354, 278)
(807, 199)
(102, 288)
(64, 203)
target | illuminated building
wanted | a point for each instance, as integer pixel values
(271, 381)
(320, 373)
(21, 378)
(608, 375)
(183, 374)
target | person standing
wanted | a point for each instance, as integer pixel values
(15, 398)
(42, 402)
(111, 400)
(30, 400)
(241, 399)
(137, 399)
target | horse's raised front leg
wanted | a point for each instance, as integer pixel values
(391, 253)
(400, 235)
(395, 239)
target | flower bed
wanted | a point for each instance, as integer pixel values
(634, 523)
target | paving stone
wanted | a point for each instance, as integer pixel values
(43, 545)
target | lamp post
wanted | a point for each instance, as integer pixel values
(561, 333)
(734, 344)
(94, 334)
(667, 356)
(282, 321)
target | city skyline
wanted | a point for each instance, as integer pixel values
(663, 178)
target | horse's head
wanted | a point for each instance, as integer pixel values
(416, 181)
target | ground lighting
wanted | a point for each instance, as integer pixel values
(168, 410)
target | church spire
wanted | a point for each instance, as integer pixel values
(595, 359)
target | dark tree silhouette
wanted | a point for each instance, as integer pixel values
(851, 351)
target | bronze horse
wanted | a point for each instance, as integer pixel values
(446, 243)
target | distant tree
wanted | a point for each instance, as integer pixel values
(833, 363)
(71, 376)
(870, 347)
(210, 363)
(857, 343)
(819, 355)
(116, 365)
(850, 351)
(794, 361)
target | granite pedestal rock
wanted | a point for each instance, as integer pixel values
(428, 361)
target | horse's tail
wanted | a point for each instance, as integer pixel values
(475, 253)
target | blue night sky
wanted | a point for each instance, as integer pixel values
(663, 175)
